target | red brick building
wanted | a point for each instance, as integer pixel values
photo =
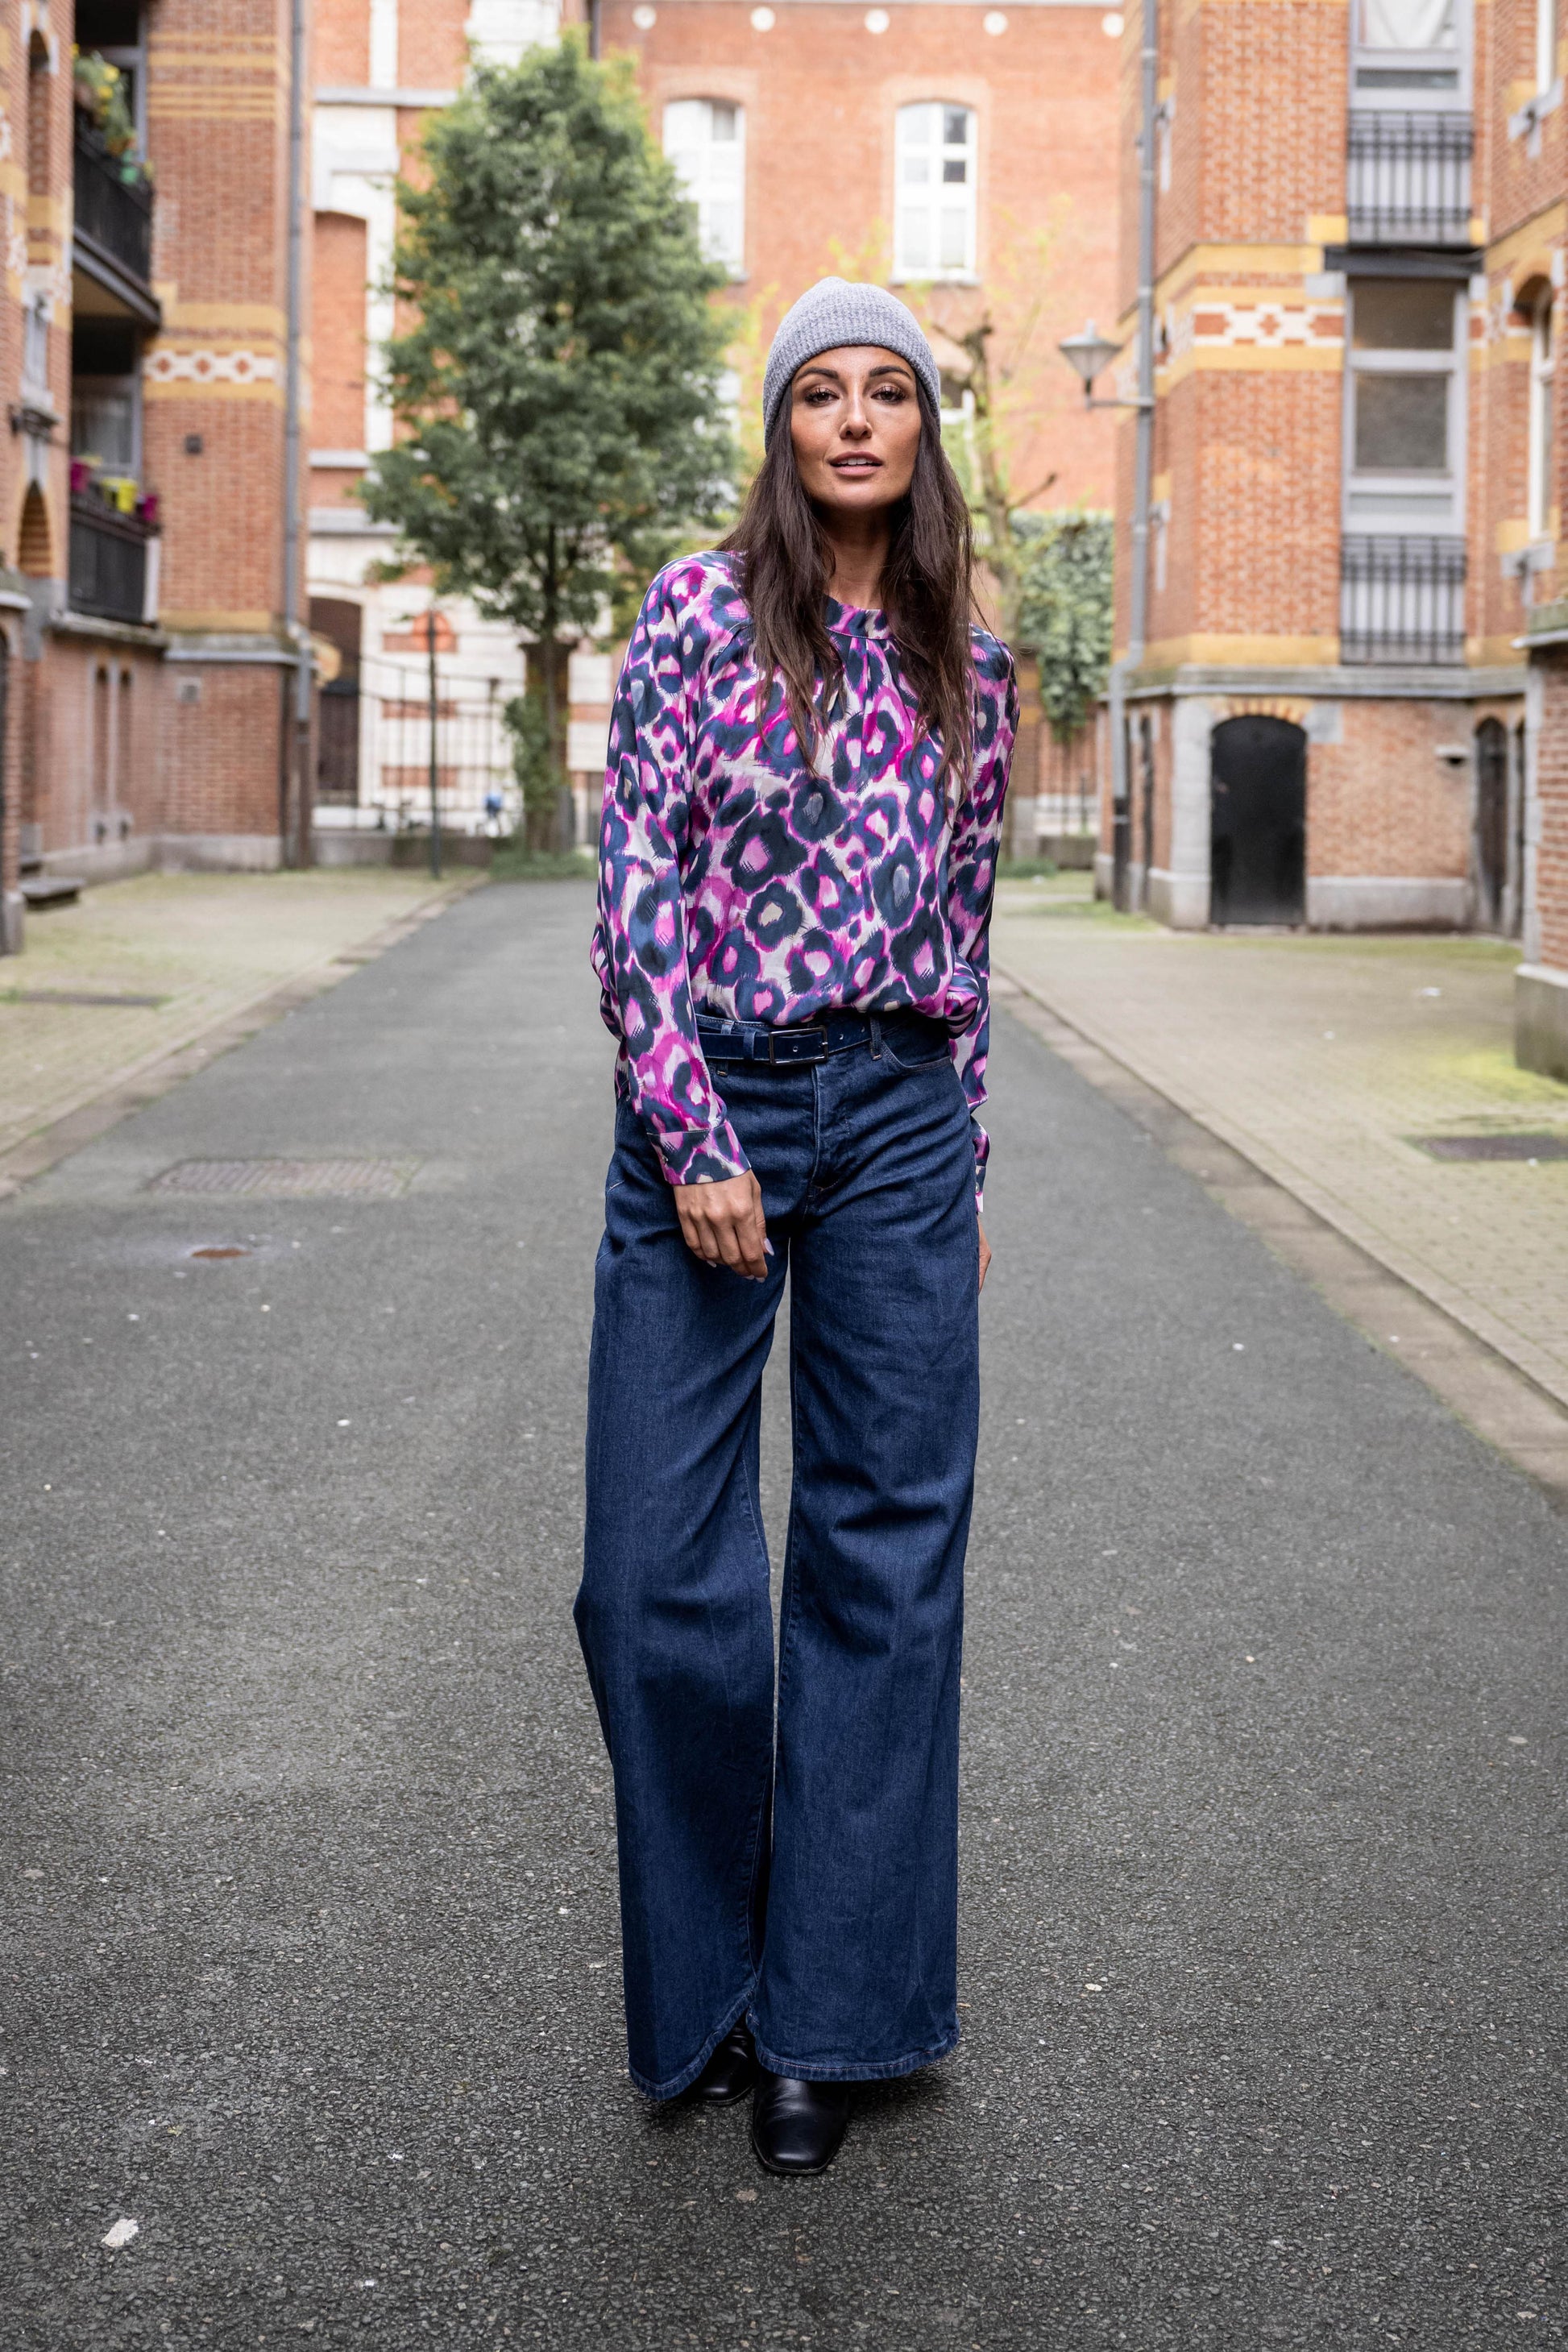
(962, 153)
(144, 354)
(1353, 521)
(959, 153)
(154, 661)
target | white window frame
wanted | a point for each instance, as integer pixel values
(1369, 57)
(929, 203)
(1542, 371)
(1384, 504)
(714, 172)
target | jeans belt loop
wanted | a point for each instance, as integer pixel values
(875, 1039)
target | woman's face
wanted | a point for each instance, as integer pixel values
(855, 421)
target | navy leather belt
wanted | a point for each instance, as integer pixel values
(810, 1041)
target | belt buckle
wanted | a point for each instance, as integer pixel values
(806, 1030)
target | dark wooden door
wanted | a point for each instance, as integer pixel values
(1258, 838)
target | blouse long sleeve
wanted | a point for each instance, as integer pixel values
(640, 949)
(971, 872)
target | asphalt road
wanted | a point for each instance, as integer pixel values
(309, 1938)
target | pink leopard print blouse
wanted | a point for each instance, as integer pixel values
(736, 878)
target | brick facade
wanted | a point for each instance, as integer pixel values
(143, 352)
(819, 89)
(1340, 540)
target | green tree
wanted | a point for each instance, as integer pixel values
(556, 385)
(1064, 609)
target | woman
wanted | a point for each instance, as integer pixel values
(808, 758)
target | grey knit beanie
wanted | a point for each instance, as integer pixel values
(834, 312)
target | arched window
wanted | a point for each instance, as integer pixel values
(934, 161)
(1542, 371)
(705, 139)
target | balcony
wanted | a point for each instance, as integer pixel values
(1408, 179)
(1402, 599)
(108, 560)
(114, 227)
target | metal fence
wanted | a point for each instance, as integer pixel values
(1402, 599)
(1408, 179)
(373, 753)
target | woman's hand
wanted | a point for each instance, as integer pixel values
(723, 1224)
(984, 1252)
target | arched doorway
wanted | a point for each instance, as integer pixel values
(1258, 823)
(1491, 823)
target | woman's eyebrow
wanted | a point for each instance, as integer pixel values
(832, 375)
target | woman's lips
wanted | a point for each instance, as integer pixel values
(856, 465)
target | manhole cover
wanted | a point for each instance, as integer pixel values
(1492, 1147)
(291, 1179)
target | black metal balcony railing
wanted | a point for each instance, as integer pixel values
(1402, 599)
(114, 214)
(1408, 179)
(108, 562)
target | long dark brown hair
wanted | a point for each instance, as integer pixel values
(927, 590)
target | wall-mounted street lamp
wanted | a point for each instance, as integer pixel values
(1089, 354)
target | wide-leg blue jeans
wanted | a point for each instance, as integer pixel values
(796, 1869)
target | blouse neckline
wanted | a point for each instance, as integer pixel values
(855, 620)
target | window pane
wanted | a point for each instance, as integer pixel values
(1401, 424)
(917, 241)
(1403, 314)
(724, 121)
(1407, 24)
(955, 126)
(916, 170)
(916, 124)
(103, 425)
(954, 239)
(956, 171)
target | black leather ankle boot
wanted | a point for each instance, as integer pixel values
(797, 2128)
(729, 2074)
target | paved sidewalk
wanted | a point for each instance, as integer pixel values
(138, 968)
(1321, 1059)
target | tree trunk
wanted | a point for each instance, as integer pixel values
(550, 820)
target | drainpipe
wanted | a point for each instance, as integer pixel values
(298, 703)
(595, 11)
(1144, 461)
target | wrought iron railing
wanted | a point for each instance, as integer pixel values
(108, 562)
(1408, 179)
(1402, 599)
(114, 203)
(373, 750)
